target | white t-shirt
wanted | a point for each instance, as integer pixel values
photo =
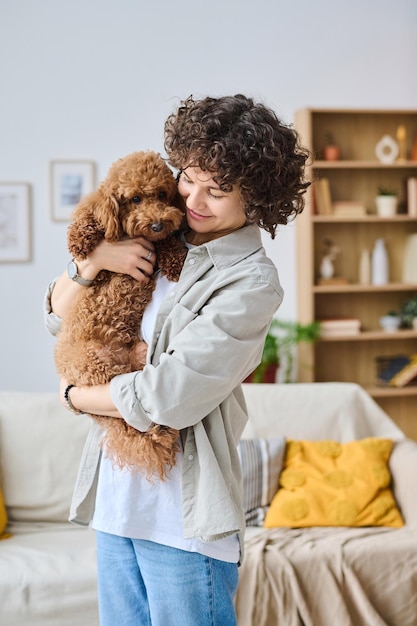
(128, 505)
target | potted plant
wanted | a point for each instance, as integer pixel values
(279, 349)
(331, 151)
(408, 313)
(386, 202)
(390, 322)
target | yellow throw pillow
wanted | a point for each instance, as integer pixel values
(3, 518)
(326, 483)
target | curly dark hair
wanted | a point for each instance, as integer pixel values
(244, 143)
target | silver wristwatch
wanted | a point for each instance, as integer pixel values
(72, 270)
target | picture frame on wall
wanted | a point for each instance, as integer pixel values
(15, 222)
(70, 180)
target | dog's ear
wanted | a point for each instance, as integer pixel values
(179, 202)
(108, 215)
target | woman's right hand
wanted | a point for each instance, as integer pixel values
(135, 257)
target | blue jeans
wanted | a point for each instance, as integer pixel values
(142, 583)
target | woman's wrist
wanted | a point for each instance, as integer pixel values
(68, 402)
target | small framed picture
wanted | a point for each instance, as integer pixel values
(70, 180)
(15, 226)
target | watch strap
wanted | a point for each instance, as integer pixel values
(72, 270)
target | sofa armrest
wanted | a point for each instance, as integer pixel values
(403, 466)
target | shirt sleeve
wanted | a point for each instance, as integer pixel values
(216, 349)
(52, 322)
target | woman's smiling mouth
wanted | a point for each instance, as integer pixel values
(197, 216)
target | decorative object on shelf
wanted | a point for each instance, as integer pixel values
(402, 143)
(390, 322)
(412, 196)
(331, 151)
(386, 202)
(69, 181)
(330, 252)
(379, 263)
(410, 260)
(386, 149)
(279, 349)
(15, 226)
(408, 312)
(365, 267)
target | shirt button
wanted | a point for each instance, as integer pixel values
(158, 335)
(191, 261)
(190, 457)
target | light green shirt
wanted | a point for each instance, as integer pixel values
(208, 337)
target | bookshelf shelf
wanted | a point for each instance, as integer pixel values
(358, 288)
(375, 219)
(355, 178)
(374, 335)
(363, 165)
(390, 392)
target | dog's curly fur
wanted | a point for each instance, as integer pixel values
(100, 335)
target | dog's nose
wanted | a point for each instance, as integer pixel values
(157, 227)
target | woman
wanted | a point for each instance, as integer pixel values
(168, 551)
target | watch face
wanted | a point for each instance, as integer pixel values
(72, 270)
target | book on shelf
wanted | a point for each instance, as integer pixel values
(340, 326)
(412, 196)
(398, 371)
(322, 196)
(347, 208)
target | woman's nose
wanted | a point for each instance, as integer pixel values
(195, 198)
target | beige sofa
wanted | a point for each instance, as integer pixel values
(317, 577)
(331, 576)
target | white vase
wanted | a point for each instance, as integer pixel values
(379, 263)
(386, 206)
(326, 267)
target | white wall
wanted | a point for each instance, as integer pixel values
(95, 79)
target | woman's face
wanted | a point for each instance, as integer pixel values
(211, 213)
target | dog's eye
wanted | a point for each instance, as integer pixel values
(137, 199)
(162, 195)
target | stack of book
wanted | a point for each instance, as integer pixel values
(397, 371)
(340, 326)
(346, 208)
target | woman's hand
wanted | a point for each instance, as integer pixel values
(135, 257)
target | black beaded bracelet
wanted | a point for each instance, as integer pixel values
(68, 402)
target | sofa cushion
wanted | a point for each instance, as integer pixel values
(327, 483)
(3, 517)
(48, 576)
(40, 449)
(261, 461)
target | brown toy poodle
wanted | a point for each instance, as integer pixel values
(100, 336)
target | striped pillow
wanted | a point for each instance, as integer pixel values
(262, 461)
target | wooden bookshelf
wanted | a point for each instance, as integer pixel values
(356, 177)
